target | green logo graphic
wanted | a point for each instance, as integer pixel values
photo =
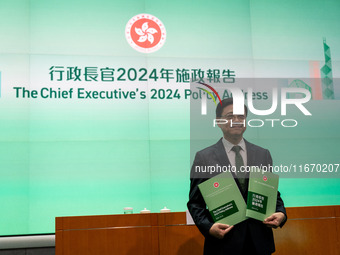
(326, 74)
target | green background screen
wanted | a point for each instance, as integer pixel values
(74, 156)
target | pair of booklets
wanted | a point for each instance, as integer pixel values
(226, 204)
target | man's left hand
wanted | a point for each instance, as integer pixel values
(274, 220)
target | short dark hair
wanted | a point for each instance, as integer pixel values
(225, 103)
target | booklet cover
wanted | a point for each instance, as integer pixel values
(262, 194)
(223, 198)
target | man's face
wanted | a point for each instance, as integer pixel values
(236, 123)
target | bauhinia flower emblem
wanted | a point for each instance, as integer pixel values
(146, 33)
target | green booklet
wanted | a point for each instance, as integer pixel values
(223, 198)
(262, 194)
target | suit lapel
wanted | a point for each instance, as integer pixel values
(250, 153)
(221, 154)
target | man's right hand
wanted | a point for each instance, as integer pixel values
(218, 230)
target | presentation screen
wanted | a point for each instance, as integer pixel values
(101, 101)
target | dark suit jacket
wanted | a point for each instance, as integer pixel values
(235, 240)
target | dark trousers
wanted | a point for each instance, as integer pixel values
(249, 248)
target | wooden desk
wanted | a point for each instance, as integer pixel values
(309, 230)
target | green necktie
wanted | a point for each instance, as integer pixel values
(238, 163)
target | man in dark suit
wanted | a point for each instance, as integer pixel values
(251, 236)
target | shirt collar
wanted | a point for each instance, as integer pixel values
(228, 145)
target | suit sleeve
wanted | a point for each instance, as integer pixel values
(279, 203)
(196, 204)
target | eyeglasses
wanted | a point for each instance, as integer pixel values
(234, 117)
